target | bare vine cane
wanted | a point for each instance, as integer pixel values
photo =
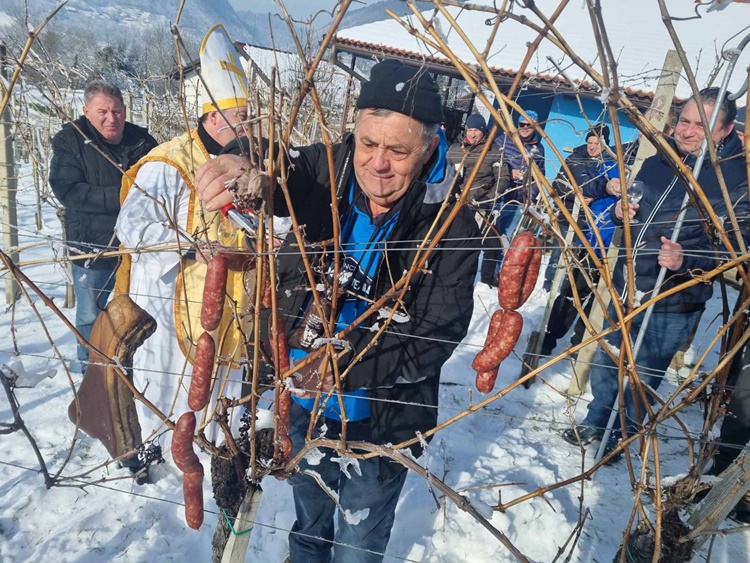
(8, 383)
(732, 55)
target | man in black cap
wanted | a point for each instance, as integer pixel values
(391, 178)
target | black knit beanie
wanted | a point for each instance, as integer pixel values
(404, 89)
(599, 130)
(476, 121)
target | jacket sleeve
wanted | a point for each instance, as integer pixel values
(501, 172)
(67, 178)
(541, 159)
(594, 184)
(148, 220)
(416, 348)
(306, 181)
(708, 261)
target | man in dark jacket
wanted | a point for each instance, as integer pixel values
(514, 159)
(588, 164)
(391, 179)
(489, 187)
(592, 168)
(532, 142)
(492, 180)
(696, 251)
(87, 185)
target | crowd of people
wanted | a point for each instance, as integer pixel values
(594, 170)
(392, 175)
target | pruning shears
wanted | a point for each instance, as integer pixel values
(247, 221)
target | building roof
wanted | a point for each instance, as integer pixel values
(635, 28)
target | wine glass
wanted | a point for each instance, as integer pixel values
(635, 194)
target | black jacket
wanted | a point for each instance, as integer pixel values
(587, 172)
(657, 213)
(88, 186)
(404, 365)
(492, 180)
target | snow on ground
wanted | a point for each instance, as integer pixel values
(514, 442)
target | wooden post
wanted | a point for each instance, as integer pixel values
(129, 105)
(8, 188)
(347, 99)
(236, 547)
(39, 178)
(144, 109)
(659, 110)
(150, 113)
(722, 499)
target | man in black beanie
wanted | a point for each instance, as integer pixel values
(490, 185)
(391, 178)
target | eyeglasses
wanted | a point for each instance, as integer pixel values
(525, 126)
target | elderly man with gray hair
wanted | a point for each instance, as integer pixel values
(89, 156)
(391, 178)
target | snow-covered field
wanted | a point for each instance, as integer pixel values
(514, 442)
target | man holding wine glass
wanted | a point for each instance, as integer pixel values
(697, 249)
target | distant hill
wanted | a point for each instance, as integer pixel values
(258, 27)
(105, 18)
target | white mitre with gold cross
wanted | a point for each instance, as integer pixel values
(222, 73)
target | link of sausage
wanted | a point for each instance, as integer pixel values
(279, 342)
(203, 368)
(214, 290)
(496, 321)
(267, 292)
(486, 380)
(192, 491)
(505, 329)
(513, 271)
(183, 455)
(285, 422)
(532, 273)
(239, 261)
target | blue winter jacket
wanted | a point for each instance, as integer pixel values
(515, 160)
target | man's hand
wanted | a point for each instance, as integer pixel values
(632, 209)
(213, 178)
(516, 174)
(613, 187)
(670, 255)
(307, 379)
